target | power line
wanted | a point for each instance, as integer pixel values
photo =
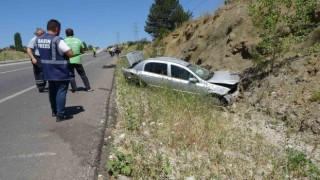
(199, 5)
(188, 2)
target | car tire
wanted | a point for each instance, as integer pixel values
(223, 101)
(141, 83)
(219, 100)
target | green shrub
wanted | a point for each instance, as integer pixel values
(274, 17)
(315, 96)
(140, 46)
(120, 164)
(300, 166)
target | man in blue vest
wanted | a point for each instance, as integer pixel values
(54, 55)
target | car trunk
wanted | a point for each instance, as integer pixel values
(134, 57)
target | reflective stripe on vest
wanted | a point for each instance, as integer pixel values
(54, 47)
(54, 61)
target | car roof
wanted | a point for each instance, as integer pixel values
(169, 59)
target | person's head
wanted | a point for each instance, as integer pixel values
(39, 32)
(54, 26)
(69, 32)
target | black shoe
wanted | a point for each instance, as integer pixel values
(73, 90)
(41, 90)
(64, 117)
(54, 114)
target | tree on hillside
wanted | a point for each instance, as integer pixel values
(165, 16)
(90, 47)
(85, 45)
(18, 42)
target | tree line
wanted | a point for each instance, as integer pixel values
(19, 47)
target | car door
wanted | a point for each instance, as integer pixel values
(180, 80)
(155, 74)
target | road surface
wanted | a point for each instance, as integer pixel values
(32, 144)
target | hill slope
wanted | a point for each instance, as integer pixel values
(286, 99)
(271, 132)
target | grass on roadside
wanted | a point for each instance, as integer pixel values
(174, 135)
(12, 55)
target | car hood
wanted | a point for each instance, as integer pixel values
(224, 77)
(134, 57)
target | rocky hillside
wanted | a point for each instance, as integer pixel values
(216, 41)
(289, 93)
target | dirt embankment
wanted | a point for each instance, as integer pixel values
(224, 41)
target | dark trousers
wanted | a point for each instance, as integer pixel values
(38, 75)
(80, 70)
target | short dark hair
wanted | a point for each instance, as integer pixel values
(53, 24)
(69, 32)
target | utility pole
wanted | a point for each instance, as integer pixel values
(135, 31)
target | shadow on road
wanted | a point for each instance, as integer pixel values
(73, 110)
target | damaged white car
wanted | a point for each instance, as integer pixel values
(182, 76)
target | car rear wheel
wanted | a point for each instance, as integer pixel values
(141, 83)
(134, 80)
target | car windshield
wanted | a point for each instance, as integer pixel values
(201, 72)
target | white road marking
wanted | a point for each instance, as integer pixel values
(16, 94)
(88, 63)
(14, 70)
(23, 91)
(43, 154)
(14, 63)
(33, 136)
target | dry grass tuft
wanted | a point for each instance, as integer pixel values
(12, 55)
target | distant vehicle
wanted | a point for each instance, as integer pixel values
(182, 76)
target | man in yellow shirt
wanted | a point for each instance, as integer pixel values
(94, 51)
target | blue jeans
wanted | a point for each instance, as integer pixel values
(57, 96)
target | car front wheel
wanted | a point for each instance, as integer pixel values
(219, 100)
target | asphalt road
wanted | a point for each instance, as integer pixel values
(34, 146)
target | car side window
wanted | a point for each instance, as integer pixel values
(158, 68)
(180, 73)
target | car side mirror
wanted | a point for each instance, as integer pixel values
(193, 80)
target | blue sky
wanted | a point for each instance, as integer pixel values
(96, 22)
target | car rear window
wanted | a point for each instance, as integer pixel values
(158, 68)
